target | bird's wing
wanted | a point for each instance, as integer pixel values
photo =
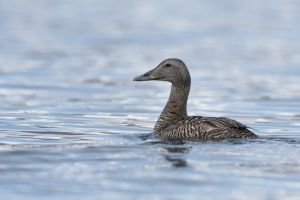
(207, 128)
(222, 122)
(210, 123)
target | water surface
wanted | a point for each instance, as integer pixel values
(73, 125)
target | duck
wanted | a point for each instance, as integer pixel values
(174, 123)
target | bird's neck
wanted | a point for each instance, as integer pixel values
(175, 108)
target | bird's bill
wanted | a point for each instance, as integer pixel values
(146, 76)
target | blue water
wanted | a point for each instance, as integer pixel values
(73, 125)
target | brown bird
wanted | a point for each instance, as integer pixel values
(174, 123)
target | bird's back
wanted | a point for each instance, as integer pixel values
(204, 128)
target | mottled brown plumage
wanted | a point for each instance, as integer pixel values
(173, 123)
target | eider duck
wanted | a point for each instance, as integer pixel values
(174, 123)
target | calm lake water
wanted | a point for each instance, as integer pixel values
(73, 125)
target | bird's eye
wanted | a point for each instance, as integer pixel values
(168, 65)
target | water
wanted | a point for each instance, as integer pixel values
(73, 125)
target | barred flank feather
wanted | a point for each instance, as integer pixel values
(207, 128)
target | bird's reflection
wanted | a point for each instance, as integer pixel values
(177, 149)
(176, 162)
(176, 156)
